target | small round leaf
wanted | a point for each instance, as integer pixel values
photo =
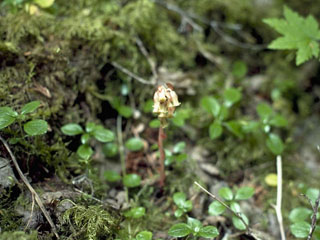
(179, 230)
(275, 144)
(216, 208)
(244, 193)
(226, 193)
(238, 223)
(110, 149)
(85, 138)
(84, 151)
(111, 176)
(134, 144)
(36, 127)
(131, 180)
(208, 232)
(30, 107)
(299, 214)
(215, 130)
(231, 96)
(300, 229)
(144, 235)
(103, 135)
(136, 212)
(7, 116)
(211, 105)
(72, 129)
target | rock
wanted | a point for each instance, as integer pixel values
(7, 177)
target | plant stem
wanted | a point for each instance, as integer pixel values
(238, 215)
(279, 197)
(121, 152)
(121, 147)
(162, 156)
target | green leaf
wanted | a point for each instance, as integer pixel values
(179, 198)
(238, 224)
(231, 96)
(72, 129)
(244, 193)
(110, 149)
(179, 147)
(111, 176)
(275, 144)
(208, 232)
(235, 207)
(264, 111)
(155, 123)
(312, 194)
(144, 235)
(194, 224)
(134, 144)
(211, 105)
(36, 127)
(136, 212)
(131, 180)
(300, 229)
(30, 107)
(85, 138)
(7, 116)
(226, 193)
(239, 69)
(298, 33)
(103, 135)
(279, 121)
(85, 151)
(235, 127)
(215, 130)
(125, 111)
(179, 230)
(216, 208)
(178, 213)
(90, 126)
(299, 214)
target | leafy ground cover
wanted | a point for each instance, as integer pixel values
(158, 119)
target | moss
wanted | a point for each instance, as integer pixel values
(91, 222)
(19, 235)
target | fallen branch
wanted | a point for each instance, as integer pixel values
(131, 74)
(31, 189)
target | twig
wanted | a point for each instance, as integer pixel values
(31, 189)
(314, 217)
(236, 214)
(147, 56)
(279, 197)
(131, 74)
(162, 156)
(190, 17)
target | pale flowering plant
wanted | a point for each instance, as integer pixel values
(165, 102)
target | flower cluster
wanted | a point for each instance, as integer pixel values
(165, 102)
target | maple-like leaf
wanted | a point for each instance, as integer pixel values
(298, 33)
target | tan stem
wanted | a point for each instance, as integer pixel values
(162, 156)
